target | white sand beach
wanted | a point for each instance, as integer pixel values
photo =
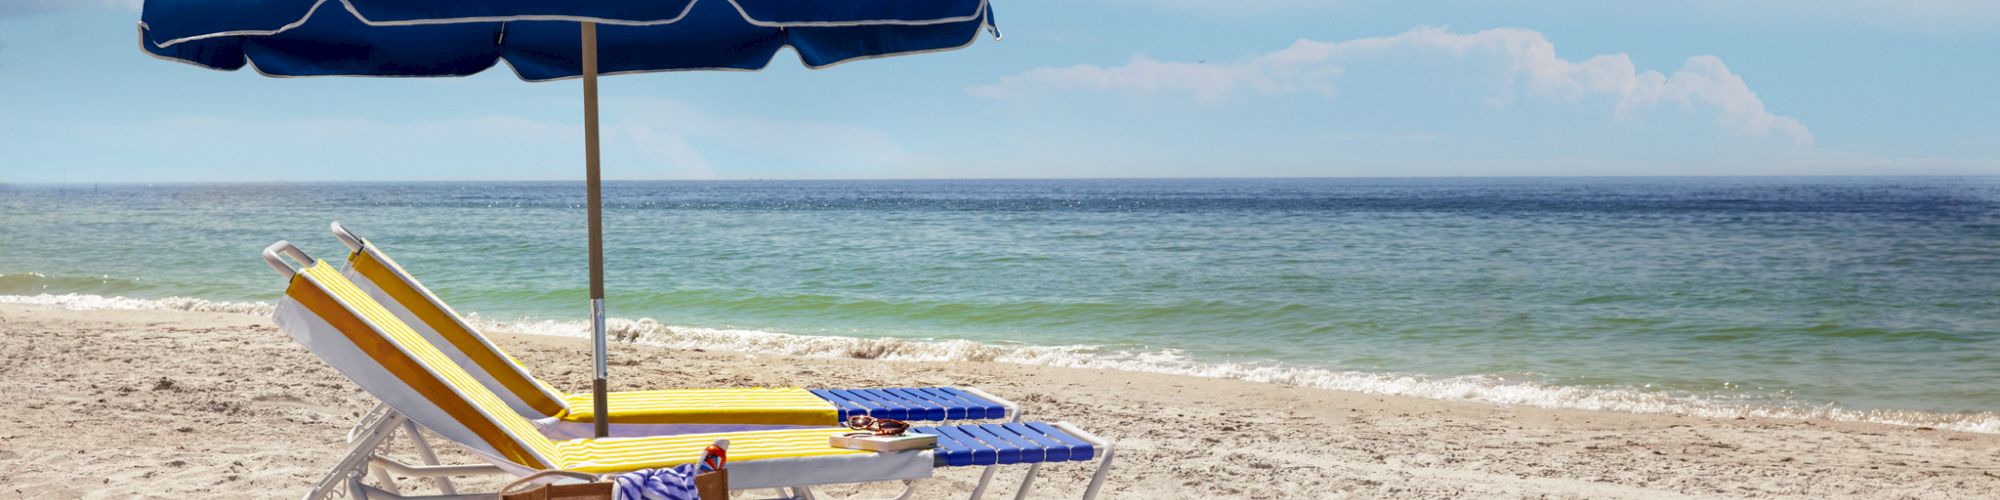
(168, 404)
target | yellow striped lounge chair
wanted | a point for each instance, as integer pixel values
(642, 413)
(420, 386)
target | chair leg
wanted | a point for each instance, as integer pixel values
(908, 488)
(790, 493)
(984, 478)
(430, 458)
(375, 427)
(355, 489)
(388, 481)
(1097, 480)
(1103, 465)
(1028, 480)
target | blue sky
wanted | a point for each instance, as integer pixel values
(1085, 88)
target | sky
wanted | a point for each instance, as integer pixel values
(1084, 88)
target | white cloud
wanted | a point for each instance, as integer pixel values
(1528, 60)
(1272, 73)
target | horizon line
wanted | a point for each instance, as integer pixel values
(950, 179)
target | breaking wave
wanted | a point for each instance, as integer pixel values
(89, 302)
(1477, 388)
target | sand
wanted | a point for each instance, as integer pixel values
(119, 404)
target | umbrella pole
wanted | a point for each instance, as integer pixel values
(595, 199)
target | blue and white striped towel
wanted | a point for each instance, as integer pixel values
(675, 483)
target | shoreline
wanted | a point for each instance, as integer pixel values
(1470, 388)
(171, 403)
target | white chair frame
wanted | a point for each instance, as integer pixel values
(380, 424)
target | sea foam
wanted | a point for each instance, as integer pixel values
(86, 302)
(1476, 388)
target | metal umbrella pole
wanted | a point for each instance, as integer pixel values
(594, 197)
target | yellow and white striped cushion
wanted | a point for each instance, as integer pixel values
(616, 454)
(442, 396)
(751, 406)
(390, 284)
(393, 346)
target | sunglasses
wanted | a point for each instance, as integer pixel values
(878, 426)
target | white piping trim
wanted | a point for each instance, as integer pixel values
(351, 9)
(143, 40)
(252, 63)
(281, 29)
(976, 13)
(993, 28)
(767, 64)
(517, 72)
(968, 43)
(532, 17)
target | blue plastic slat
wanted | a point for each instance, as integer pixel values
(932, 409)
(891, 407)
(855, 406)
(976, 408)
(911, 410)
(1029, 451)
(993, 409)
(955, 408)
(1053, 450)
(1006, 452)
(949, 449)
(847, 408)
(907, 410)
(928, 408)
(911, 403)
(870, 406)
(939, 409)
(1078, 449)
(1048, 450)
(981, 453)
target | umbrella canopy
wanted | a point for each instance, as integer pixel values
(550, 40)
(541, 39)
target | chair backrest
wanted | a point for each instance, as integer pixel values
(333, 318)
(385, 281)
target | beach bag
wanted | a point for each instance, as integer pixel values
(710, 485)
(713, 484)
(672, 483)
(577, 491)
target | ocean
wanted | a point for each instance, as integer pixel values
(1871, 299)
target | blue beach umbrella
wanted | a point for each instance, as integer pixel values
(545, 40)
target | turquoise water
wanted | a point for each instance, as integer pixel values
(1783, 295)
